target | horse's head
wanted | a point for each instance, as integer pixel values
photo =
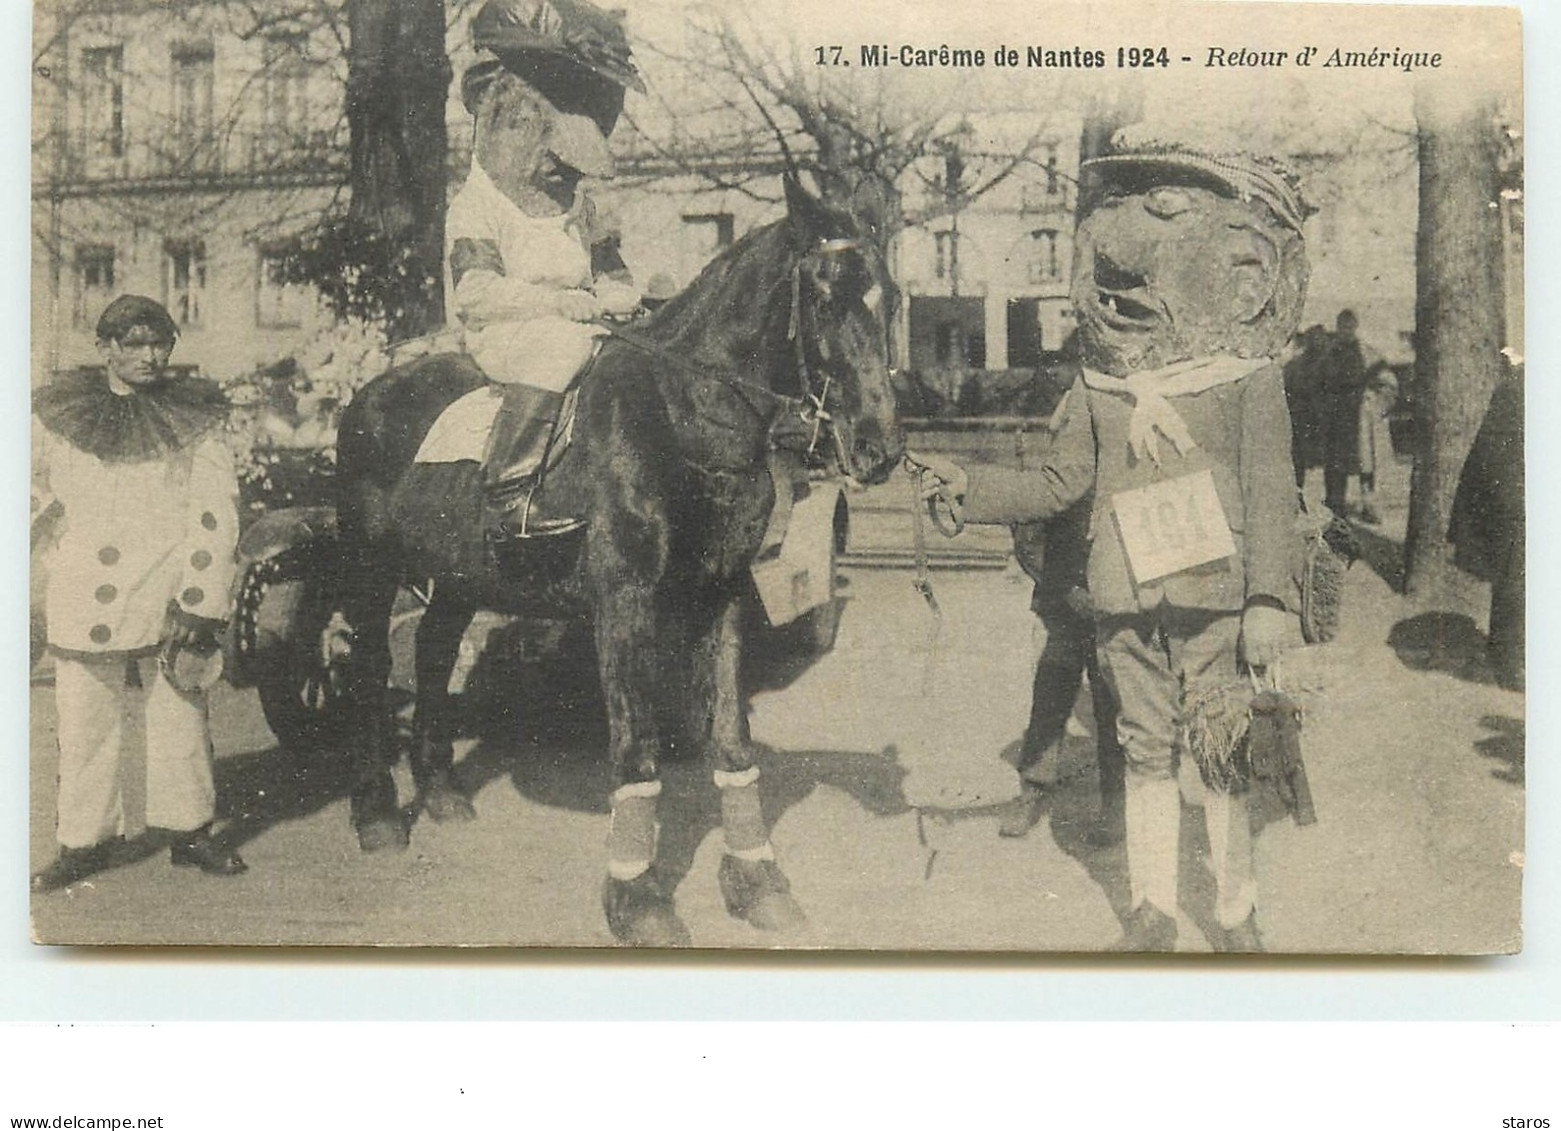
(838, 330)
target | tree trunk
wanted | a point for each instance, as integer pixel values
(1459, 313)
(398, 76)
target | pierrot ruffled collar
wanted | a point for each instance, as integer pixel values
(148, 423)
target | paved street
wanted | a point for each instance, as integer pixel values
(884, 772)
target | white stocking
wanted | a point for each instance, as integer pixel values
(1154, 822)
(1230, 851)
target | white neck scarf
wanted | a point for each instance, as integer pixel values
(1151, 390)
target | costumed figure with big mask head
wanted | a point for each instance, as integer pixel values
(532, 266)
(1188, 280)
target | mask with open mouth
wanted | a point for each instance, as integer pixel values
(1166, 271)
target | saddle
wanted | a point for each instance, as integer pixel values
(530, 437)
(518, 435)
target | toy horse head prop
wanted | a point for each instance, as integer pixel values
(1182, 254)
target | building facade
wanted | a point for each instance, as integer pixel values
(177, 153)
(986, 278)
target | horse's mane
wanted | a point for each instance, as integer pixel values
(731, 288)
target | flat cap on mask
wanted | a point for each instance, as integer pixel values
(127, 312)
(1240, 175)
(576, 29)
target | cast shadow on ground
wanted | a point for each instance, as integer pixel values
(263, 788)
(573, 774)
(544, 728)
(1504, 747)
(1070, 809)
(1384, 556)
(1440, 641)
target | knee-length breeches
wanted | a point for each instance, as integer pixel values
(1154, 662)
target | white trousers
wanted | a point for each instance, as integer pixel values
(545, 352)
(129, 756)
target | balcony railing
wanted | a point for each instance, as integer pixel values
(1042, 198)
(233, 155)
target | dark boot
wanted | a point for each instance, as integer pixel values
(1022, 814)
(199, 849)
(73, 865)
(515, 465)
(1240, 939)
(1148, 930)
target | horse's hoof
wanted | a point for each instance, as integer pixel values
(640, 912)
(446, 803)
(381, 833)
(759, 892)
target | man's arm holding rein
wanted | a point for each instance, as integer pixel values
(1066, 474)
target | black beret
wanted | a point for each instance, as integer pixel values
(127, 312)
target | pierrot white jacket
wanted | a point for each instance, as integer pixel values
(129, 538)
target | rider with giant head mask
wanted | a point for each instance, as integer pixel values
(532, 267)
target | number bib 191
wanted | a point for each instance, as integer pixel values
(1172, 525)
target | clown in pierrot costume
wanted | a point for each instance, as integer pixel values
(1189, 277)
(135, 508)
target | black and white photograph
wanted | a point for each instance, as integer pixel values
(1000, 478)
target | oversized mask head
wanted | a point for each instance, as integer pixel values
(1180, 255)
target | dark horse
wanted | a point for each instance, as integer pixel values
(774, 356)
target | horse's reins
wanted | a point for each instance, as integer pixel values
(809, 407)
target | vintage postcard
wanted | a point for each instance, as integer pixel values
(1037, 478)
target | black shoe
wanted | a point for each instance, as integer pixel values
(1148, 930)
(72, 866)
(1240, 939)
(201, 850)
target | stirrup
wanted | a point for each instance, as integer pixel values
(532, 525)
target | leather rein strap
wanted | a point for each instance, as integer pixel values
(809, 407)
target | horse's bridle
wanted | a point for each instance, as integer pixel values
(807, 412)
(814, 415)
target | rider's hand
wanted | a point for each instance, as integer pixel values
(1263, 632)
(617, 299)
(579, 306)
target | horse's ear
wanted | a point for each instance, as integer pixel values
(809, 218)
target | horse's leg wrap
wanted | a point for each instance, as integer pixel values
(631, 838)
(742, 817)
(752, 883)
(638, 906)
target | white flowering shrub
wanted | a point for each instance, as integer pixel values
(283, 425)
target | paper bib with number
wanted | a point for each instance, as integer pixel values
(1172, 525)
